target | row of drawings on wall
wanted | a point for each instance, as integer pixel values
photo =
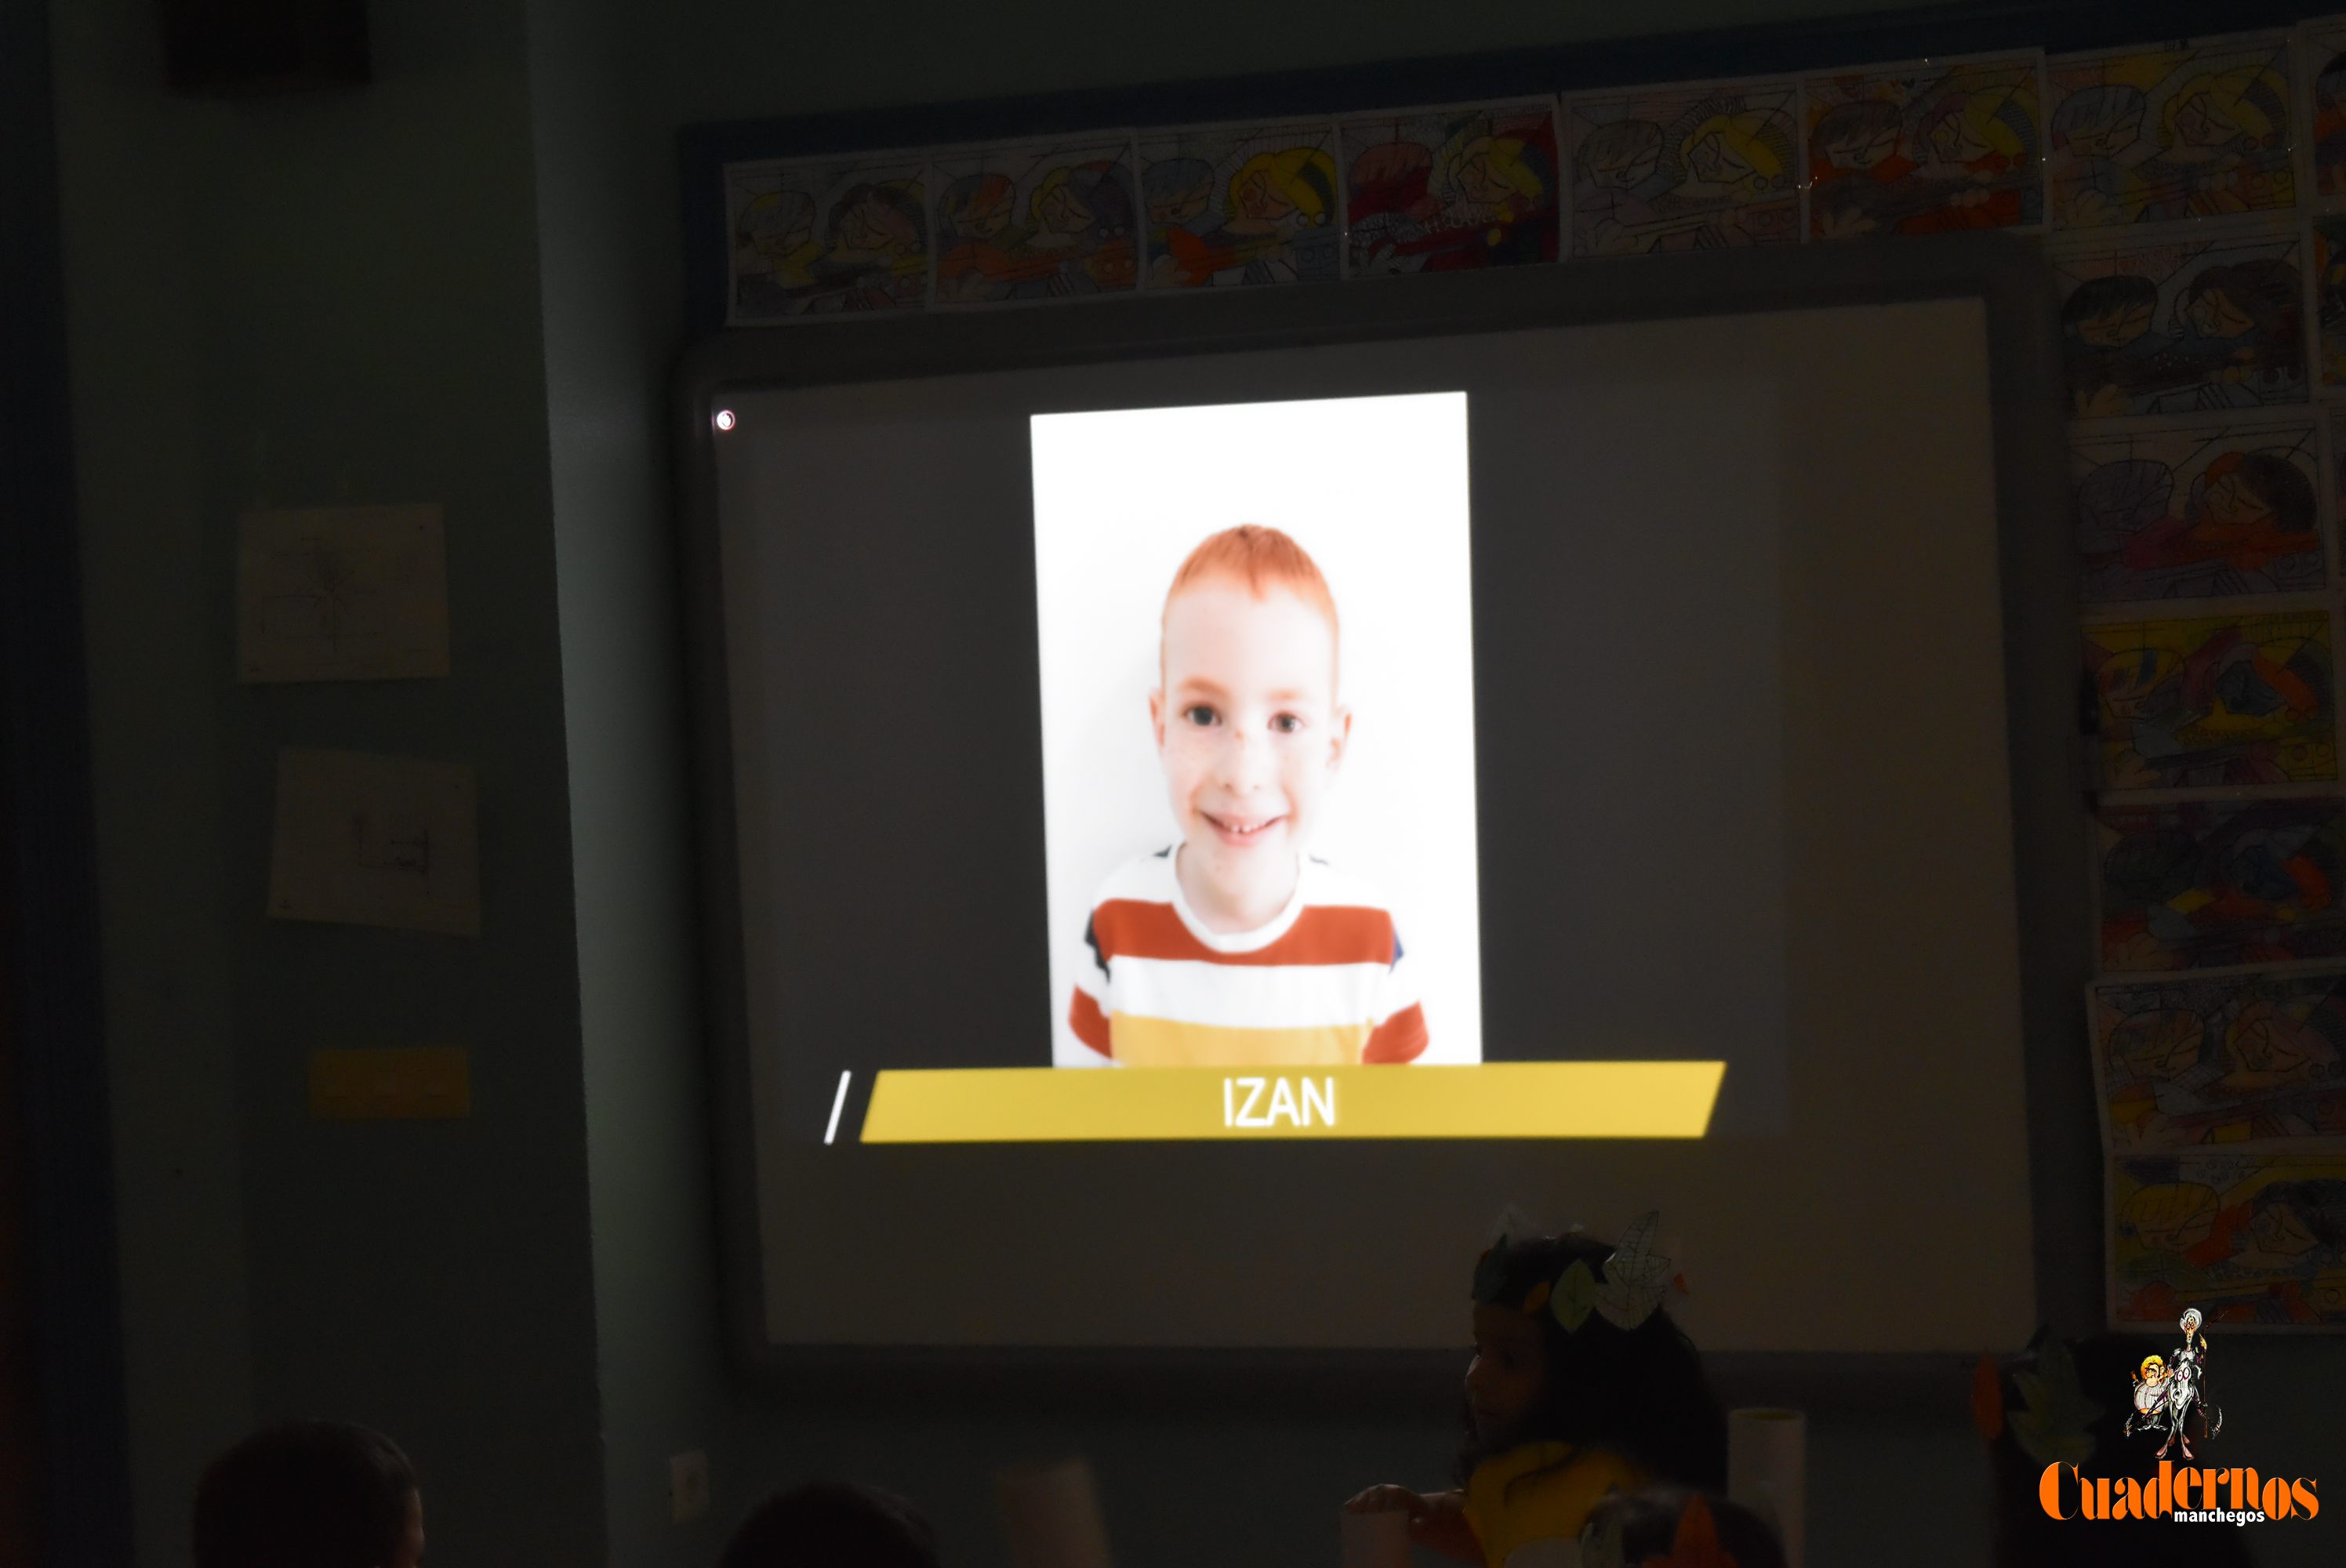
(1112, 215)
(2203, 322)
(2097, 142)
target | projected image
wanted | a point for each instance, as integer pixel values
(1257, 715)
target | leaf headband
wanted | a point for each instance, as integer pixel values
(1637, 1274)
(2055, 1420)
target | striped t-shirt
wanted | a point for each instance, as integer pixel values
(1322, 984)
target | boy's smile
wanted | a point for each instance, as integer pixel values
(1249, 733)
(1240, 832)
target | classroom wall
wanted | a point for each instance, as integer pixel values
(313, 298)
(740, 60)
(1258, 1489)
(462, 285)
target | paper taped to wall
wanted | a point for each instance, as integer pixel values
(342, 593)
(375, 840)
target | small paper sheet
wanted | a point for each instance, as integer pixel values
(1021, 223)
(375, 840)
(1692, 165)
(815, 237)
(2182, 319)
(2221, 506)
(2223, 1061)
(2250, 1237)
(1934, 146)
(2171, 132)
(1449, 190)
(342, 593)
(2214, 701)
(1242, 205)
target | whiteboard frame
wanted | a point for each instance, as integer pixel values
(2008, 274)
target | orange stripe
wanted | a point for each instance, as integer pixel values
(1089, 1022)
(1399, 1038)
(1324, 934)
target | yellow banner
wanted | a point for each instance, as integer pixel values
(1497, 1100)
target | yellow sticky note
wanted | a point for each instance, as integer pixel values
(399, 1084)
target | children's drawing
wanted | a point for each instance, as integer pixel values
(818, 238)
(342, 593)
(2241, 1059)
(2322, 49)
(1441, 190)
(2329, 301)
(1243, 204)
(2333, 424)
(375, 840)
(2208, 317)
(1685, 167)
(2253, 1239)
(1925, 148)
(2205, 884)
(1036, 221)
(2240, 700)
(2144, 136)
(2199, 510)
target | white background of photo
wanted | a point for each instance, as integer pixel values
(1376, 489)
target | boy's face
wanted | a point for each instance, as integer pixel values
(1248, 727)
(987, 215)
(1862, 149)
(2267, 1039)
(1955, 139)
(1639, 166)
(1481, 178)
(1716, 163)
(1169, 207)
(2234, 507)
(873, 225)
(2201, 124)
(1062, 211)
(2214, 315)
(2159, 1044)
(1260, 197)
(2281, 1232)
(2176, 1225)
(2112, 138)
(2114, 329)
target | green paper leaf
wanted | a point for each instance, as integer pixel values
(1637, 1275)
(2052, 1428)
(1573, 1297)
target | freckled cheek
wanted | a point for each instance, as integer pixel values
(1302, 780)
(1187, 781)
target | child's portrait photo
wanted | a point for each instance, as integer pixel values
(1258, 734)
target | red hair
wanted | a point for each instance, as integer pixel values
(1263, 559)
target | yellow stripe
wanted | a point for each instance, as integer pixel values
(1138, 1042)
(1498, 1100)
